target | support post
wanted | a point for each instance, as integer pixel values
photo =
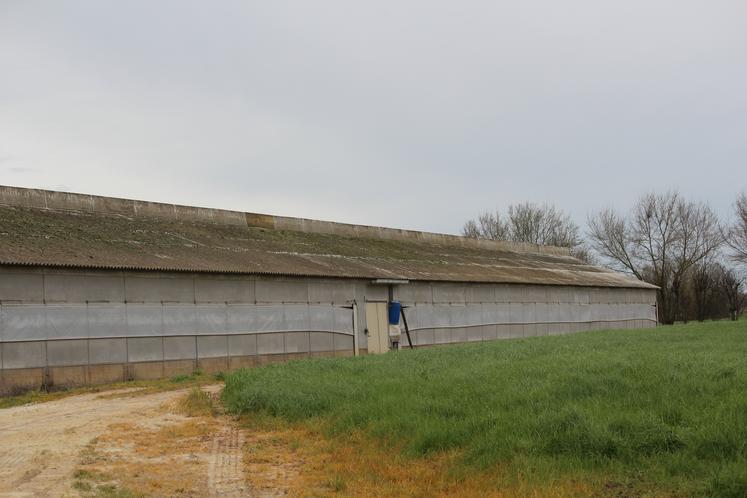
(355, 329)
(407, 329)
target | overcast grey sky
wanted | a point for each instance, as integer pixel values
(415, 114)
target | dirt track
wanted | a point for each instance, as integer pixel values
(40, 444)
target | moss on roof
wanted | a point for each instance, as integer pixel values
(42, 237)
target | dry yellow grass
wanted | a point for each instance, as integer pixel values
(165, 457)
(299, 461)
(160, 462)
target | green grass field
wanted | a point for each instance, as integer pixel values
(658, 411)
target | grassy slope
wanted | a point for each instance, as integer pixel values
(663, 408)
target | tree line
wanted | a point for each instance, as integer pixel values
(677, 244)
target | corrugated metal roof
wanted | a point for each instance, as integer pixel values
(101, 240)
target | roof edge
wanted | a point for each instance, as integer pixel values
(131, 208)
(630, 284)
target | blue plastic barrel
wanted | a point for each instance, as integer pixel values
(394, 312)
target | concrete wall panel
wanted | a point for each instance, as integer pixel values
(516, 330)
(67, 353)
(423, 337)
(24, 354)
(516, 312)
(321, 318)
(106, 374)
(582, 313)
(67, 201)
(568, 312)
(210, 320)
(599, 312)
(16, 287)
(182, 306)
(159, 288)
(281, 291)
(23, 197)
(449, 293)
(146, 371)
(107, 320)
(109, 205)
(338, 292)
(296, 317)
(242, 345)
(480, 293)
(543, 311)
(414, 292)
(497, 313)
(503, 293)
(530, 330)
(343, 320)
(224, 290)
(270, 343)
(297, 342)
(376, 293)
(414, 334)
(144, 320)
(580, 295)
(75, 288)
(67, 321)
(442, 336)
(179, 348)
(102, 351)
(458, 316)
(178, 367)
(344, 342)
(144, 349)
(268, 319)
(238, 318)
(554, 312)
(236, 362)
(213, 365)
(538, 293)
(503, 331)
(27, 378)
(459, 334)
(68, 376)
(23, 323)
(212, 346)
(490, 332)
(154, 209)
(475, 334)
(599, 295)
(321, 341)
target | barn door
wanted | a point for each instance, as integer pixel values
(378, 327)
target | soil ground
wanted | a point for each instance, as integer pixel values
(57, 448)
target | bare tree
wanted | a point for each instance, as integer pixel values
(526, 222)
(488, 226)
(737, 236)
(704, 282)
(659, 241)
(732, 286)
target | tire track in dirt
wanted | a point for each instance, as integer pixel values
(226, 465)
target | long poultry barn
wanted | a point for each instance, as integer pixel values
(96, 289)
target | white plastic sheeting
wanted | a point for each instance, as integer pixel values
(430, 316)
(45, 322)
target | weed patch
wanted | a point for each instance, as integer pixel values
(197, 403)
